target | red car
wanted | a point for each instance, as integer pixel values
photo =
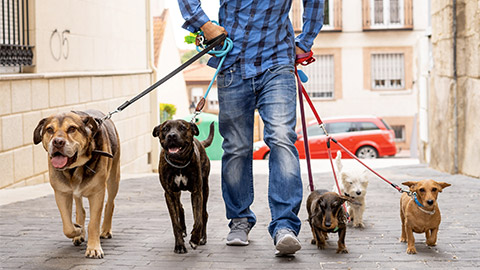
(365, 136)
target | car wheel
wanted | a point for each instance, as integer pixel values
(267, 156)
(367, 152)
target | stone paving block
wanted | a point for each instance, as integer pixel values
(31, 234)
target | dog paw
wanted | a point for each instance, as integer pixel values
(193, 245)
(78, 240)
(322, 247)
(342, 250)
(180, 249)
(430, 244)
(411, 251)
(359, 225)
(203, 241)
(403, 240)
(313, 242)
(106, 235)
(95, 253)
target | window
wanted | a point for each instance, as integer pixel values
(321, 77)
(332, 18)
(15, 49)
(213, 99)
(399, 133)
(388, 68)
(339, 127)
(197, 94)
(388, 71)
(364, 126)
(387, 14)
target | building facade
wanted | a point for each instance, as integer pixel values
(367, 61)
(59, 56)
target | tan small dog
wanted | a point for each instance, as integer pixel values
(84, 161)
(420, 213)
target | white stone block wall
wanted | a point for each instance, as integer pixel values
(25, 100)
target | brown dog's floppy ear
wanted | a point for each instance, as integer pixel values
(37, 133)
(156, 131)
(194, 129)
(443, 185)
(91, 124)
(410, 184)
(347, 199)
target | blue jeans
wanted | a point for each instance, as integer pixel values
(273, 93)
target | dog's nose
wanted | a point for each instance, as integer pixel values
(359, 192)
(171, 136)
(328, 224)
(430, 202)
(58, 142)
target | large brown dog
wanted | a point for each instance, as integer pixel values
(420, 213)
(326, 215)
(84, 155)
(184, 165)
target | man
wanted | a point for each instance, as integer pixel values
(259, 74)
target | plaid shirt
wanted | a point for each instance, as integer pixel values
(261, 31)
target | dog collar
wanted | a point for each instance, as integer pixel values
(420, 205)
(174, 165)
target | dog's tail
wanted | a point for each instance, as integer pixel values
(338, 161)
(208, 141)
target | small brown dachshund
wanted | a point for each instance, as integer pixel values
(420, 213)
(326, 215)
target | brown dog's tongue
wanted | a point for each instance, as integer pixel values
(59, 161)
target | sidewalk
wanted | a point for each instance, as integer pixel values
(31, 234)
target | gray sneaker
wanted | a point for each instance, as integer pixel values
(238, 235)
(286, 243)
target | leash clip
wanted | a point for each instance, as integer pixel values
(109, 115)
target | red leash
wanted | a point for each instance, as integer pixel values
(305, 59)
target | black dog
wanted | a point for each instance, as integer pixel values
(326, 215)
(184, 165)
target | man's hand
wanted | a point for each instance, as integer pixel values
(211, 30)
(299, 51)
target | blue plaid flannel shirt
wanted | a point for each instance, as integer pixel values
(261, 31)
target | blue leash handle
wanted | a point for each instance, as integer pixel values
(227, 47)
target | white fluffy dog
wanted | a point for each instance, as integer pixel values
(353, 183)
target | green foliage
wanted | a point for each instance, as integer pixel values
(190, 54)
(167, 111)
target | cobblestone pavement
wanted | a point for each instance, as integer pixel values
(31, 231)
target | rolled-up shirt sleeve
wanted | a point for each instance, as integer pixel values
(193, 14)
(312, 23)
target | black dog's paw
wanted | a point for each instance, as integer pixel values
(180, 249)
(203, 241)
(313, 242)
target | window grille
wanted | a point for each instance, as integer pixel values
(197, 94)
(329, 17)
(321, 77)
(15, 49)
(399, 133)
(388, 71)
(387, 13)
(213, 99)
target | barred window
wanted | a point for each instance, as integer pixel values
(387, 13)
(213, 99)
(388, 70)
(321, 77)
(399, 133)
(331, 19)
(197, 94)
(15, 49)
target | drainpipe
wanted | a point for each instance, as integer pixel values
(154, 115)
(455, 89)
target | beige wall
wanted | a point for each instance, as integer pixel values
(104, 35)
(25, 101)
(104, 61)
(446, 95)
